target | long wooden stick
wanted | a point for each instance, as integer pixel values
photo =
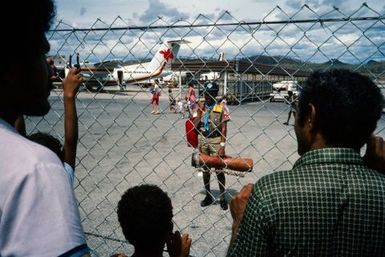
(227, 162)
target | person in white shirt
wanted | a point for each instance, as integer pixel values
(38, 210)
(66, 152)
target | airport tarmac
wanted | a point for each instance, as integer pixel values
(121, 145)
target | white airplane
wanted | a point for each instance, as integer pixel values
(99, 75)
(135, 73)
(94, 75)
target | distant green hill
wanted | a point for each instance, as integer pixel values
(375, 67)
(371, 62)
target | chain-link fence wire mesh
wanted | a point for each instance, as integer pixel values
(122, 144)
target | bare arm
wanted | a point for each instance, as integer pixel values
(253, 223)
(237, 207)
(197, 119)
(187, 97)
(71, 86)
(221, 151)
(224, 130)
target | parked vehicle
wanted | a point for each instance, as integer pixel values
(281, 89)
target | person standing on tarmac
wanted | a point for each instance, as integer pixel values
(155, 97)
(291, 98)
(212, 131)
(191, 97)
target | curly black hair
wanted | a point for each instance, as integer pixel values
(145, 215)
(48, 141)
(25, 28)
(348, 106)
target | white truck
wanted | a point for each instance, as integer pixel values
(281, 89)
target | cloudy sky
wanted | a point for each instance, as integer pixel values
(307, 41)
(137, 12)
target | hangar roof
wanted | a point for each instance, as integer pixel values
(236, 66)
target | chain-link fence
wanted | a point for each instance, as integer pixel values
(122, 144)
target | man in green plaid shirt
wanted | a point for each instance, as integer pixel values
(331, 203)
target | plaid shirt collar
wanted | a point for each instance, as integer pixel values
(330, 155)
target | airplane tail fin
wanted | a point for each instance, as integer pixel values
(166, 54)
(149, 70)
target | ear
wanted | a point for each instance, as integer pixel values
(310, 121)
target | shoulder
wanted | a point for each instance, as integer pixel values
(21, 147)
(275, 184)
(33, 179)
(26, 158)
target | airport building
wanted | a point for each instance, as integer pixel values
(240, 80)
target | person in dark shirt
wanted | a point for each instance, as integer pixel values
(331, 203)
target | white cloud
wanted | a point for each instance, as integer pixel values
(158, 9)
(299, 41)
(247, 10)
